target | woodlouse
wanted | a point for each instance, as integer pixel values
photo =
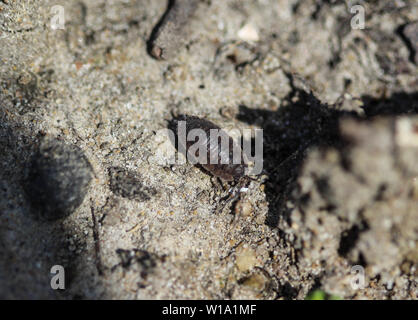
(230, 171)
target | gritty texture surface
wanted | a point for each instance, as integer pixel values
(338, 108)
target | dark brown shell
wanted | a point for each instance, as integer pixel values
(227, 172)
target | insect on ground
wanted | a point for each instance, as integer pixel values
(218, 160)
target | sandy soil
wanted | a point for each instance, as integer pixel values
(339, 188)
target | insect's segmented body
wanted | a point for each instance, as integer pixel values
(229, 171)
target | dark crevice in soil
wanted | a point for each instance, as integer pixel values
(349, 238)
(408, 43)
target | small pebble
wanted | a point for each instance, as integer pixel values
(244, 208)
(246, 259)
(256, 282)
(248, 33)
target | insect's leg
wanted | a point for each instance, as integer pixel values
(233, 196)
(226, 201)
(217, 184)
(221, 184)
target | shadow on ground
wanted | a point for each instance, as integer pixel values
(30, 246)
(302, 123)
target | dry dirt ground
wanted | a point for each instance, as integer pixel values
(80, 112)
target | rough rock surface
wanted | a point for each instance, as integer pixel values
(338, 108)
